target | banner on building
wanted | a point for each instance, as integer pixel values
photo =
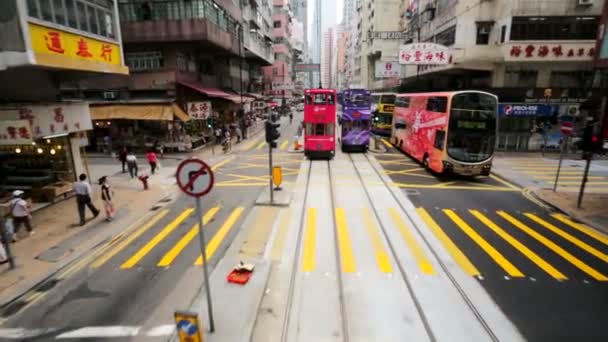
(549, 52)
(53, 119)
(15, 132)
(388, 35)
(387, 70)
(199, 110)
(527, 110)
(424, 54)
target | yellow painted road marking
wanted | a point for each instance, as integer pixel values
(579, 183)
(185, 240)
(423, 262)
(130, 238)
(217, 239)
(386, 143)
(454, 251)
(500, 180)
(279, 241)
(572, 239)
(222, 163)
(481, 242)
(242, 184)
(554, 247)
(308, 257)
(561, 177)
(384, 263)
(453, 187)
(284, 144)
(582, 228)
(157, 239)
(346, 250)
(250, 144)
(261, 145)
(535, 258)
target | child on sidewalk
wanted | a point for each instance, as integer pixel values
(106, 196)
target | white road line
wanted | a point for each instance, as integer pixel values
(21, 333)
(95, 332)
(161, 330)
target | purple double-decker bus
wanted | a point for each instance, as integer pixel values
(355, 119)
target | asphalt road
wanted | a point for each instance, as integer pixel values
(548, 277)
(142, 279)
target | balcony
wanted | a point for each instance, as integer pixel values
(177, 21)
(257, 48)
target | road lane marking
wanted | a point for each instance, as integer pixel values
(582, 228)
(384, 263)
(284, 144)
(217, 239)
(129, 239)
(535, 258)
(500, 180)
(453, 187)
(483, 244)
(157, 239)
(386, 143)
(554, 247)
(582, 245)
(251, 144)
(460, 258)
(185, 240)
(562, 177)
(261, 145)
(344, 246)
(222, 163)
(423, 262)
(308, 256)
(279, 241)
(100, 332)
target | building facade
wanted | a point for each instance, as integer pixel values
(533, 53)
(279, 75)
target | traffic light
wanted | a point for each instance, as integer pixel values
(210, 123)
(592, 138)
(272, 133)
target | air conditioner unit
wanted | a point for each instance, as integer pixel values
(584, 2)
(109, 95)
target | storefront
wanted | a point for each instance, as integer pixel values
(40, 149)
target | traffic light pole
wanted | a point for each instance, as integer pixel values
(270, 173)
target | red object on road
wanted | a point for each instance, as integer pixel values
(567, 127)
(240, 277)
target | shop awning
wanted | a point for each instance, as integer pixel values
(157, 112)
(256, 96)
(212, 92)
(179, 113)
(237, 99)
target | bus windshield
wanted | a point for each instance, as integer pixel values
(359, 100)
(472, 127)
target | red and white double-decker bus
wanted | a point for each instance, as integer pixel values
(319, 123)
(448, 131)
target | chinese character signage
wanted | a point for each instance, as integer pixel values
(15, 132)
(526, 110)
(388, 35)
(61, 49)
(424, 54)
(549, 52)
(199, 110)
(387, 69)
(54, 119)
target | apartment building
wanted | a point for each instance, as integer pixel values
(279, 75)
(538, 53)
(327, 56)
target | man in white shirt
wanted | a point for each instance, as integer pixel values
(83, 197)
(20, 213)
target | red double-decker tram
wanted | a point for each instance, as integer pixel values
(319, 123)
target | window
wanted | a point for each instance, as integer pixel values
(503, 33)
(308, 99)
(439, 140)
(571, 79)
(483, 32)
(554, 28)
(309, 129)
(92, 18)
(320, 129)
(149, 60)
(101, 19)
(81, 9)
(59, 12)
(181, 62)
(520, 78)
(446, 37)
(320, 99)
(46, 10)
(402, 102)
(276, 24)
(70, 7)
(32, 8)
(437, 104)
(330, 129)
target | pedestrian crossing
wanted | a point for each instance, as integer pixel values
(481, 243)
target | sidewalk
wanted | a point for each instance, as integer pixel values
(593, 207)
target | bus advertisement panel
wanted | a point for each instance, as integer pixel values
(450, 132)
(355, 119)
(319, 123)
(383, 105)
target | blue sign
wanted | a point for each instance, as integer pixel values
(526, 110)
(187, 327)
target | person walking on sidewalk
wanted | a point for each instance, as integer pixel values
(132, 164)
(106, 196)
(122, 156)
(20, 213)
(152, 160)
(82, 189)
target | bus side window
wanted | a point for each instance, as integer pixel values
(399, 124)
(438, 104)
(320, 129)
(439, 140)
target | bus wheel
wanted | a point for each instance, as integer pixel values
(425, 163)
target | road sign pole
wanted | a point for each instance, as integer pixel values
(201, 235)
(559, 165)
(270, 172)
(589, 156)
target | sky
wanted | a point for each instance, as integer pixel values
(311, 10)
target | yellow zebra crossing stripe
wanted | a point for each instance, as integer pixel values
(185, 240)
(132, 261)
(308, 256)
(345, 247)
(384, 263)
(582, 228)
(481, 242)
(554, 247)
(461, 259)
(423, 262)
(284, 144)
(217, 239)
(535, 258)
(261, 145)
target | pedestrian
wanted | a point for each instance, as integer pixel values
(290, 117)
(82, 188)
(21, 214)
(218, 136)
(106, 196)
(122, 156)
(108, 142)
(132, 164)
(152, 160)
(159, 148)
(238, 134)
